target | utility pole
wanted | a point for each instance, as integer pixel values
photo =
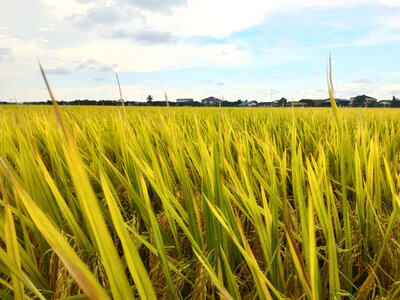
(271, 91)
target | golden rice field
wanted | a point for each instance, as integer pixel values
(183, 203)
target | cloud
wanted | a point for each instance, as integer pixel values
(215, 82)
(57, 71)
(154, 37)
(5, 53)
(371, 80)
(362, 81)
(146, 36)
(125, 56)
(164, 35)
(190, 18)
(104, 15)
(387, 30)
(158, 5)
(163, 6)
(94, 65)
(288, 42)
(390, 89)
(115, 21)
(44, 27)
(213, 18)
(391, 3)
(395, 92)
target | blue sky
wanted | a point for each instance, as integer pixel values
(253, 49)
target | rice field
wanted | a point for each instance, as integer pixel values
(184, 203)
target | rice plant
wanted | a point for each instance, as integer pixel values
(203, 203)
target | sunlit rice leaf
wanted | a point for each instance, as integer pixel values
(58, 243)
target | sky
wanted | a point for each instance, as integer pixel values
(232, 49)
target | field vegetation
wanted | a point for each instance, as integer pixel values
(205, 203)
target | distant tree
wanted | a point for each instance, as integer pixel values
(359, 101)
(282, 101)
(228, 103)
(149, 99)
(373, 104)
(395, 102)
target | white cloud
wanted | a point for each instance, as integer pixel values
(157, 5)
(43, 27)
(65, 8)
(106, 16)
(327, 3)
(22, 48)
(153, 35)
(389, 90)
(213, 18)
(146, 36)
(387, 30)
(392, 3)
(128, 57)
(378, 90)
(5, 53)
(58, 71)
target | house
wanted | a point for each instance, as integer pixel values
(385, 103)
(184, 101)
(339, 102)
(266, 104)
(311, 102)
(248, 103)
(296, 104)
(342, 102)
(276, 103)
(363, 100)
(211, 101)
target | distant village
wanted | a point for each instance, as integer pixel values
(358, 101)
